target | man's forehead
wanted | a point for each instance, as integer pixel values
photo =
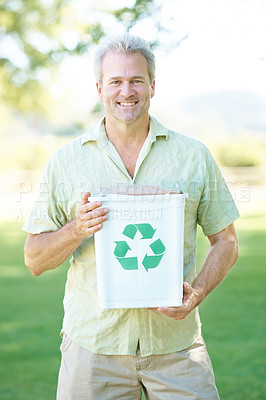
(117, 77)
(119, 64)
(122, 54)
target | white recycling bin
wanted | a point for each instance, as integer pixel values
(139, 251)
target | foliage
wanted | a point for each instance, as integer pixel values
(34, 38)
(35, 156)
(31, 316)
(39, 149)
(129, 16)
(241, 152)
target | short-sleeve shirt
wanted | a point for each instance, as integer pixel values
(167, 159)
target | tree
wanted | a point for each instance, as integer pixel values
(33, 41)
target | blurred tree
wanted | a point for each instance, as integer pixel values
(36, 35)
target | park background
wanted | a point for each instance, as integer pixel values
(211, 85)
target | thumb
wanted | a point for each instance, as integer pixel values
(187, 290)
(84, 199)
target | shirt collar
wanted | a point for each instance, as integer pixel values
(157, 129)
(98, 132)
(94, 133)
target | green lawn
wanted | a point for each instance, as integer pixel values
(234, 321)
(233, 318)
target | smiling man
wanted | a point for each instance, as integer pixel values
(115, 354)
(125, 88)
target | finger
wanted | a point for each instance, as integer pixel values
(84, 208)
(187, 291)
(187, 288)
(90, 215)
(94, 221)
(90, 227)
(168, 310)
(90, 231)
(173, 312)
(85, 198)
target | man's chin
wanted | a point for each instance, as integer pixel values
(127, 119)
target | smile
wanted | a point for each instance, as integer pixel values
(128, 104)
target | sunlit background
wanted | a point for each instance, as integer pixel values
(210, 84)
(210, 81)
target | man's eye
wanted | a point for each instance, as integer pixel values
(114, 82)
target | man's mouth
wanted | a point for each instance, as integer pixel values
(127, 104)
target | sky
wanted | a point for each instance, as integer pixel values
(226, 45)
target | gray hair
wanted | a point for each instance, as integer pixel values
(127, 44)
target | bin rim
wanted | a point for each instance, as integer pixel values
(129, 197)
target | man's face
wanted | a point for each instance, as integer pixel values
(126, 89)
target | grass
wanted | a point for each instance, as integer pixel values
(31, 314)
(233, 320)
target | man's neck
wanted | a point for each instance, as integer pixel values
(120, 133)
(128, 139)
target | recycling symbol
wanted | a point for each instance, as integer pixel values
(122, 247)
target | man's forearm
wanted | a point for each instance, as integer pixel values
(221, 257)
(48, 250)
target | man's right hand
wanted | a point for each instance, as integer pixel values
(90, 216)
(48, 250)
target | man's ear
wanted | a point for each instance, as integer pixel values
(153, 89)
(99, 90)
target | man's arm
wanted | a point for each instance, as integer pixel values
(221, 257)
(48, 250)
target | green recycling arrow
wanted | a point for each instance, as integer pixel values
(121, 249)
(151, 261)
(120, 252)
(131, 263)
(130, 231)
(128, 263)
(146, 230)
(157, 247)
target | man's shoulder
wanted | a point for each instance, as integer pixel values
(74, 147)
(176, 138)
(185, 140)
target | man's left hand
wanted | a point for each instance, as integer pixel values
(190, 301)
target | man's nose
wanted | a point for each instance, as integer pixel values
(126, 89)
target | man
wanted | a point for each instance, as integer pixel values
(113, 354)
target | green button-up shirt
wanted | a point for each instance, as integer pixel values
(167, 159)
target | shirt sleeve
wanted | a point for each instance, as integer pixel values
(48, 212)
(216, 209)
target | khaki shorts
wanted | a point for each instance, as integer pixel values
(186, 374)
